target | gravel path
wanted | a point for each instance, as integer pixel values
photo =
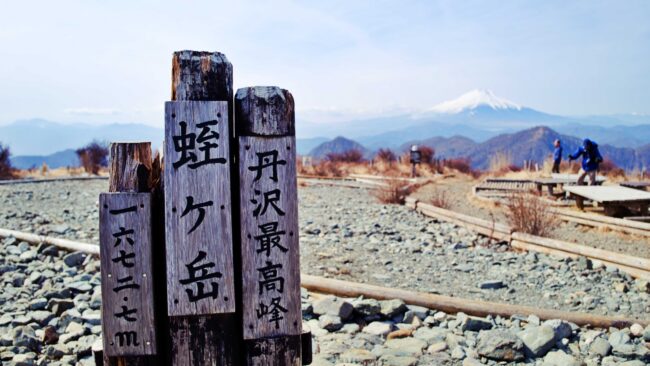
(458, 192)
(50, 300)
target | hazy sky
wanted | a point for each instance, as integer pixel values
(110, 61)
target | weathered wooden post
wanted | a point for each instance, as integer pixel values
(200, 273)
(128, 314)
(271, 314)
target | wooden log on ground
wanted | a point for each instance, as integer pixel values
(586, 251)
(48, 180)
(611, 222)
(209, 339)
(268, 217)
(92, 249)
(454, 305)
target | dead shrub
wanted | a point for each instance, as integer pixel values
(394, 192)
(386, 155)
(93, 157)
(530, 214)
(349, 156)
(609, 168)
(6, 170)
(327, 169)
(439, 198)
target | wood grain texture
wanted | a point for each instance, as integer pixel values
(130, 167)
(128, 321)
(198, 207)
(199, 75)
(280, 351)
(269, 237)
(203, 340)
(264, 111)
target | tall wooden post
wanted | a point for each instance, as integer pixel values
(270, 287)
(130, 321)
(203, 324)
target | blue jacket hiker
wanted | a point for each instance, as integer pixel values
(591, 158)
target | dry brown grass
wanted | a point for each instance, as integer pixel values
(6, 170)
(394, 192)
(530, 214)
(439, 198)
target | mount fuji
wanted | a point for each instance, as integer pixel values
(479, 115)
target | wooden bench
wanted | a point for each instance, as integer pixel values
(558, 182)
(643, 186)
(616, 200)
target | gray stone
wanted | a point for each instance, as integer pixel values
(437, 347)
(500, 345)
(330, 322)
(38, 304)
(537, 340)
(335, 306)
(379, 328)
(559, 358)
(491, 285)
(412, 346)
(24, 336)
(74, 259)
(600, 347)
(431, 335)
(366, 307)
(58, 306)
(392, 308)
(472, 323)
(561, 328)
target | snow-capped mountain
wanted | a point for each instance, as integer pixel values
(473, 100)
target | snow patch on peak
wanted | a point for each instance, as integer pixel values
(474, 99)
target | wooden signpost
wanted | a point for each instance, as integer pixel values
(199, 229)
(130, 315)
(229, 291)
(272, 318)
(197, 207)
(127, 287)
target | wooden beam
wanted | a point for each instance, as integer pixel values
(454, 304)
(92, 249)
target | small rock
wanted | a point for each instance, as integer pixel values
(74, 259)
(379, 328)
(491, 285)
(537, 340)
(50, 336)
(559, 358)
(500, 345)
(330, 322)
(437, 347)
(600, 347)
(636, 330)
(392, 308)
(334, 306)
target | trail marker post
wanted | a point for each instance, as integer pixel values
(268, 215)
(129, 317)
(202, 267)
(200, 272)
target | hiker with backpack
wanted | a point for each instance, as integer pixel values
(591, 159)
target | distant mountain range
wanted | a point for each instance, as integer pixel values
(534, 144)
(480, 115)
(61, 159)
(41, 137)
(453, 126)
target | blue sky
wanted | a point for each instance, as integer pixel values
(110, 61)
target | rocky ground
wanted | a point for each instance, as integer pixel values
(49, 302)
(458, 193)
